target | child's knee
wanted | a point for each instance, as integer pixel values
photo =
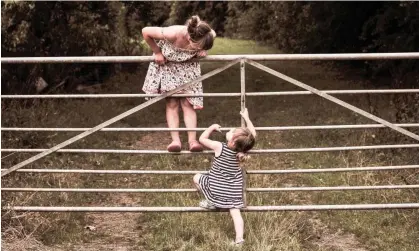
(172, 103)
(196, 178)
(235, 213)
(185, 103)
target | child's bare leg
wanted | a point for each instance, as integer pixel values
(172, 116)
(196, 180)
(196, 183)
(238, 224)
(189, 116)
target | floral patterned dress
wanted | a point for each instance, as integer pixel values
(174, 73)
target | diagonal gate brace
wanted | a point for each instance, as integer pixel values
(117, 118)
(333, 99)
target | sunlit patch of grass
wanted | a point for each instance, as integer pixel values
(227, 46)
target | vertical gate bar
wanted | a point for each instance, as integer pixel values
(242, 89)
(243, 124)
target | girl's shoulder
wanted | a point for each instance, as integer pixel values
(173, 32)
(170, 33)
(175, 35)
(178, 27)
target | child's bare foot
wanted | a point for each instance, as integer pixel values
(175, 146)
(237, 243)
(206, 204)
(194, 146)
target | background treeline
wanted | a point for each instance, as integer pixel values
(114, 28)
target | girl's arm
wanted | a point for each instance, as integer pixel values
(211, 144)
(249, 124)
(159, 33)
(202, 53)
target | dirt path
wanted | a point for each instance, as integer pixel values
(111, 231)
(334, 240)
(117, 231)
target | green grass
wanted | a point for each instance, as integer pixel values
(374, 230)
(225, 46)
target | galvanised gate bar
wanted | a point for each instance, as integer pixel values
(242, 59)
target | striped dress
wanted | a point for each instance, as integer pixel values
(223, 185)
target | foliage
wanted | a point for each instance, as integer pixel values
(113, 28)
(39, 28)
(394, 29)
(334, 27)
(213, 12)
(145, 13)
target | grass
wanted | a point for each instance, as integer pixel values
(334, 230)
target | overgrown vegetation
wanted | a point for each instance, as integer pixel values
(334, 230)
(113, 28)
(57, 28)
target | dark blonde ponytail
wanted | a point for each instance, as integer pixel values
(192, 24)
(242, 157)
(243, 142)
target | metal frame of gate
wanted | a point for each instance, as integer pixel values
(242, 59)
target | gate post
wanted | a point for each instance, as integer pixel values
(243, 124)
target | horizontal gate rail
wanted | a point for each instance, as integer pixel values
(199, 209)
(189, 172)
(332, 170)
(165, 129)
(189, 190)
(212, 58)
(290, 150)
(232, 94)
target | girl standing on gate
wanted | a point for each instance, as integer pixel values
(223, 185)
(177, 44)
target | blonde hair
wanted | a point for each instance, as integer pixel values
(243, 140)
(200, 33)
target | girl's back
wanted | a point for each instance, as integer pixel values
(226, 165)
(226, 180)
